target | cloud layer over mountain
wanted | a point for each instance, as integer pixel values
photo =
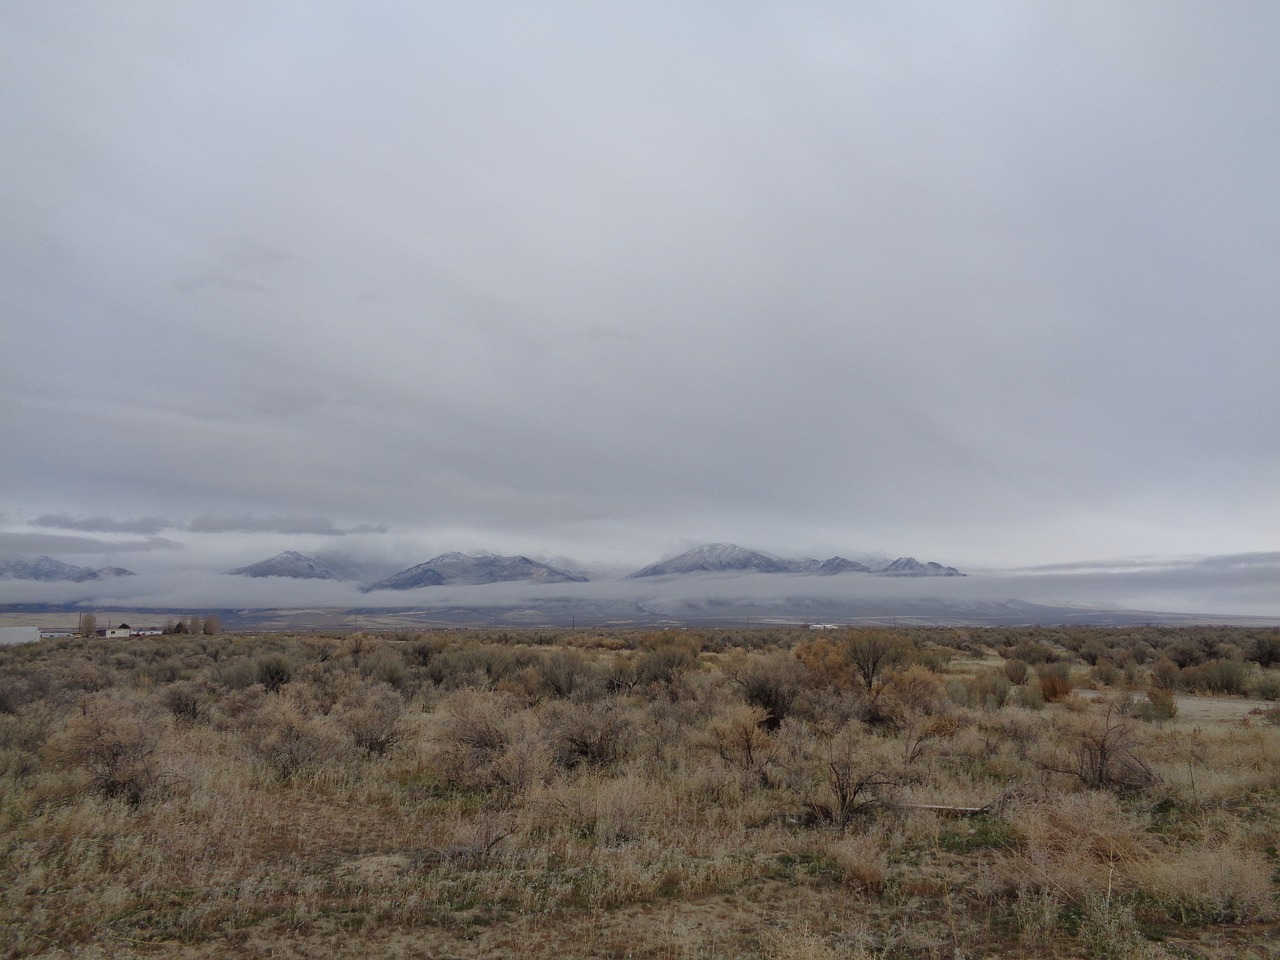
(1209, 587)
(992, 283)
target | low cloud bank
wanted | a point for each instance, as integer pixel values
(1221, 586)
(56, 544)
(207, 523)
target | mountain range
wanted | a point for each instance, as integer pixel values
(290, 563)
(712, 584)
(461, 568)
(50, 570)
(471, 569)
(711, 557)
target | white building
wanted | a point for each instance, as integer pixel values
(12, 635)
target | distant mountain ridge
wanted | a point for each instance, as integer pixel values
(290, 563)
(49, 570)
(841, 565)
(911, 567)
(713, 557)
(467, 569)
(474, 569)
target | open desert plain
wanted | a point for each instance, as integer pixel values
(789, 794)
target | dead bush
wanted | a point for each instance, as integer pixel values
(386, 665)
(233, 711)
(273, 671)
(523, 764)
(880, 707)
(739, 738)
(1107, 674)
(846, 771)
(1102, 754)
(1016, 671)
(1213, 882)
(918, 729)
(20, 686)
(1037, 915)
(1216, 676)
(186, 701)
(482, 743)
(1073, 845)
(1034, 652)
(987, 691)
(773, 682)
(609, 811)
(873, 651)
(859, 862)
(476, 665)
(289, 740)
(918, 689)
(372, 716)
(825, 663)
(596, 734)
(566, 672)
(663, 661)
(478, 720)
(1267, 686)
(1165, 674)
(116, 740)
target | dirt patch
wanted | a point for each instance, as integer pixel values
(1218, 709)
(1202, 710)
(378, 869)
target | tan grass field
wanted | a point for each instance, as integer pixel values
(682, 794)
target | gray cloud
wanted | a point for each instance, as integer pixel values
(208, 523)
(319, 526)
(1195, 566)
(145, 525)
(20, 544)
(993, 285)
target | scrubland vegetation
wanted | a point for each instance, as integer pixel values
(682, 794)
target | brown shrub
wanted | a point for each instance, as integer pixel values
(116, 740)
(186, 701)
(859, 862)
(1055, 684)
(596, 734)
(482, 743)
(1071, 845)
(989, 690)
(1158, 705)
(844, 772)
(1102, 753)
(826, 663)
(739, 738)
(371, 715)
(663, 661)
(289, 741)
(872, 652)
(1016, 671)
(917, 688)
(566, 672)
(1212, 881)
(773, 682)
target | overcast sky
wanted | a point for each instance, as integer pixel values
(988, 283)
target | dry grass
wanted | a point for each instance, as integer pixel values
(613, 796)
